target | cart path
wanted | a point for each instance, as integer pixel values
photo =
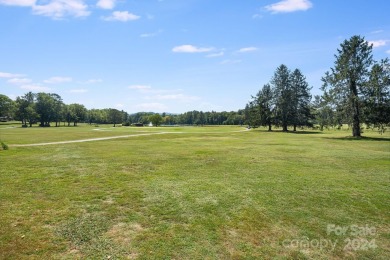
(88, 140)
(116, 137)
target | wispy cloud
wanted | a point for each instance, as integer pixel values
(34, 87)
(388, 52)
(247, 49)
(207, 106)
(10, 75)
(106, 4)
(18, 2)
(58, 9)
(217, 54)
(288, 6)
(226, 62)
(19, 81)
(378, 43)
(146, 89)
(147, 35)
(121, 16)
(152, 107)
(257, 16)
(176, 97)
(190, 49)
(92, 81)
(57, 80)
(377, 31)
(139, 87)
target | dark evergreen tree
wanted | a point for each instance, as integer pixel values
(264, 100)
(300, 100)
(377, 96)
(347, 80)
(281, 83)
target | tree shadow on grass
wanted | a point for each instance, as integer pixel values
(301, 132)
(363, 138)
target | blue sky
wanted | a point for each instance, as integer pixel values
(175, 55)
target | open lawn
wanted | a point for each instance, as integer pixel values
(193, 193)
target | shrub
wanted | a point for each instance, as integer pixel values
(4, 146)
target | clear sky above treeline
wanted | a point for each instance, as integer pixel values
(174, 55)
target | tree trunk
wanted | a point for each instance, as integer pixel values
(356, 112)
(356, 126)
(295, 128)
(285, 128)
(269, 127)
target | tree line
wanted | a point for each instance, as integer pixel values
(355, 91)
(48, 109)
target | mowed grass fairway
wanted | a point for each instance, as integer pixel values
(193, 193)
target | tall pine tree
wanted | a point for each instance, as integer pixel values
(281, 83)
(300, 100)
(348, 77)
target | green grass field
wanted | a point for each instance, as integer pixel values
(193, 193)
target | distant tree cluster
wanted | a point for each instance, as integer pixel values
(355, 91)
(48, 108)
(284, 102)
(190, 118)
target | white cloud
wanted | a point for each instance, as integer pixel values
(190, 49)
(152, 107)
(57, 80)
(58, 9)
(124, 16)
(10, 75)
(378, 43)
(106, 4)
(81, 90)
(257, 16)
(120, 106)
(247, 49)
(287, 6)
(213, 55)
(18, 2)
(19, 81)
(35, 88)
(388, 52)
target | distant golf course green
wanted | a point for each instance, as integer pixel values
(224, 192)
